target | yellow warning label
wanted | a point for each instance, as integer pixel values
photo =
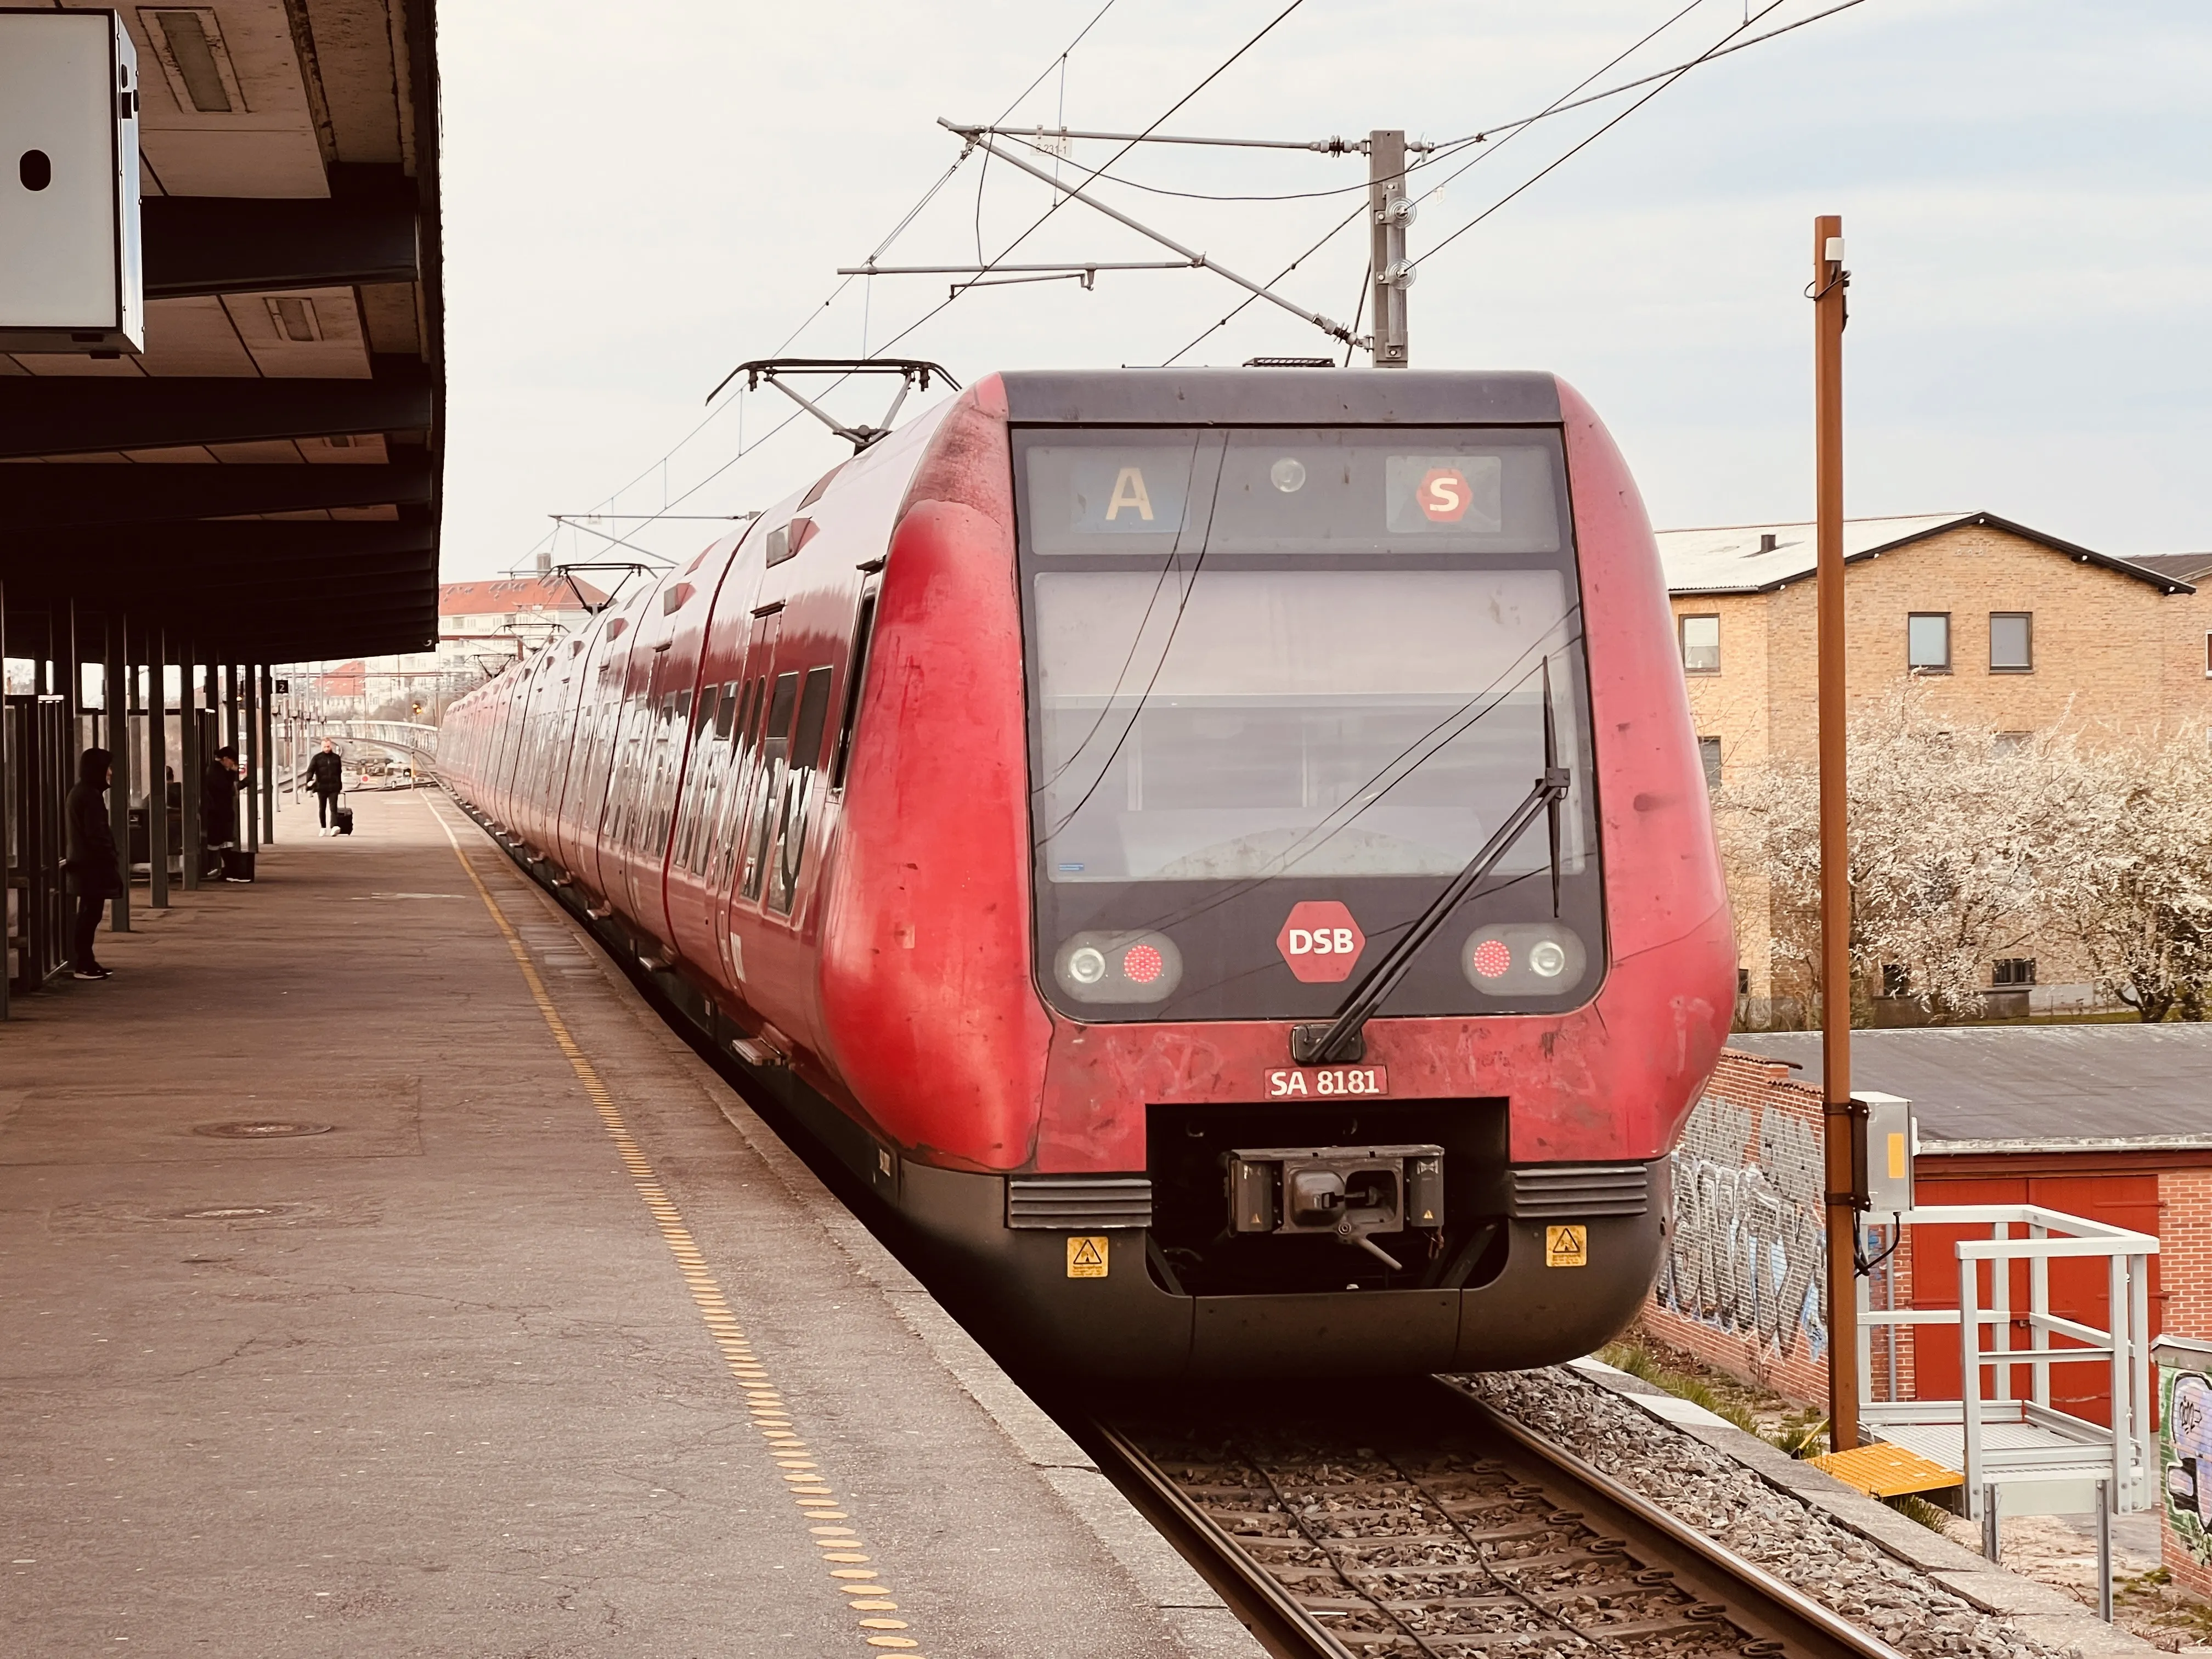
(1897, 1157)
(1563, 1247)
(1086, 1257)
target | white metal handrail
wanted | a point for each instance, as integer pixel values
(2121, 1454)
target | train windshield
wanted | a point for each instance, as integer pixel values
(1273, 669)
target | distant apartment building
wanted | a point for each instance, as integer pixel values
(2006, 628)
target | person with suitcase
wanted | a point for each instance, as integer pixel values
(326, 778)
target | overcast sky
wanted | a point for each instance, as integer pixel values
(637, 198)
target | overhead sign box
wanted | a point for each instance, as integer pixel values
(69, 272)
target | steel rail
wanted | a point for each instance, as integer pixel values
(1819, 1630)
(1258, 1599)
(1776, 1621)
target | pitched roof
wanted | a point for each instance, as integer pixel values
(2188, 566)
(1758, 558)
(541, 593)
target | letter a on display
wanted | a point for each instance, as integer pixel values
(1129, 491)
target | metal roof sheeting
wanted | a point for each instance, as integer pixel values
(2053, 1087)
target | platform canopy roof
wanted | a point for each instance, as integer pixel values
(263, 483)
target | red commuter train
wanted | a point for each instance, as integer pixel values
(1223, 853)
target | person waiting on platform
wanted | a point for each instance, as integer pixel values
(219, 788)
(326, 777)
(93, 867)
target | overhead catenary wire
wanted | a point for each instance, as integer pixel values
(1665, 79)
(1057, 60)
(1566, 103)
(1060, 201)
(1511, 130)
(1557, 104)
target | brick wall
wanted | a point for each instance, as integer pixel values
(2184, 1239)
(1742, 1285)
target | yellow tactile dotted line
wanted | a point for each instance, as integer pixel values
(864, 1591)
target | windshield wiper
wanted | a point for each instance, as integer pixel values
(1340, 1039)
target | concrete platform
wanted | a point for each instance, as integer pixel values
(539, 1343)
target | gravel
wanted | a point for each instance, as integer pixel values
(1836, 1567)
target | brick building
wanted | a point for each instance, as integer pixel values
(2006, 628)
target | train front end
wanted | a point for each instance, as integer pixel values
(1371, 939)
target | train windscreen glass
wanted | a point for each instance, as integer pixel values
(1271, 668)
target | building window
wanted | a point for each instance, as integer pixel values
(1895, 981)
(2208, 656)
(2012, 643)
(1708, 756)
(1743, 982)
(2013, 970)
(1701, 645)
(1928, 642)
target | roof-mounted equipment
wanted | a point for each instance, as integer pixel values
(914, 375)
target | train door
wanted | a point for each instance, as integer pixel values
(631, 715)
(785, 857)
(646, 841)
(715, 736)
(725, 871)
(596, 730)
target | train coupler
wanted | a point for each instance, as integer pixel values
(1351, 1191)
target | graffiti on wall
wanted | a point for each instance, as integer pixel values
(2185, 1433)
(1747, 1248)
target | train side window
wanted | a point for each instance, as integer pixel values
(726, 711)
(775, 750)
(856, 670)
(813, 716)
(798, 789)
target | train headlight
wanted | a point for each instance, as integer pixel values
(1102, 966)
(1288, 474)
(1540, 958)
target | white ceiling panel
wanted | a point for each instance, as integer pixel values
(353, 45)
(312, 333)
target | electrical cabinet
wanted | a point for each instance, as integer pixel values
(69, 269)
(1892, 1138)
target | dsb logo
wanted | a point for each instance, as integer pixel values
(1321, 942)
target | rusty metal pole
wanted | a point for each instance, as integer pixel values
(1844, 1200)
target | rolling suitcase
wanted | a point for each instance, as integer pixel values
(345, 817)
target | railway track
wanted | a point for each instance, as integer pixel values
(1413, 1521)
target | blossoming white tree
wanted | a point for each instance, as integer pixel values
(1969, 844)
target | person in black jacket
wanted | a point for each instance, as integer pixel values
(326, 777)
(94, 869)
(219, 788)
